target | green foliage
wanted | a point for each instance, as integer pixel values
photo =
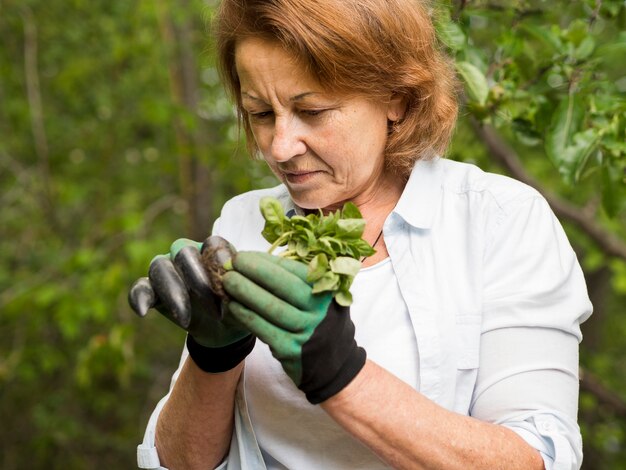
(331, 244)
(90, 192)
(548, 75)
(113, 123)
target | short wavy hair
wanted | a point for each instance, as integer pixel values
(367, 47)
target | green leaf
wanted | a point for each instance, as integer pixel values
(574, 156)
(353, 252)
(585, 49)
(585, 143)
(328, 282)
(525, 132)
(612, 51)
(272, 210)
(301, 221)
(475, 82)
(345, 265)
(344, 298)
(310, 236)
(610, 180)
(327, 224)
(317, 268)
(577, 31)
(565, 123)
(302, 248)
(351, 211)
(365, 249)
(546, 35)
(270, 233)
(450, 33)
(318, 238)
(350, 228)
(325, 244)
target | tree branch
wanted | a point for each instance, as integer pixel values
(459, 10)
(591, 384)
(177, 95)
(508, 158)
(33, 92)
(177, 33)
(595, 13)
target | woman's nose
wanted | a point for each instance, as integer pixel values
(288, 140)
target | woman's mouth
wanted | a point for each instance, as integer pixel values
(300, 177)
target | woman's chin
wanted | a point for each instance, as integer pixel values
(311, 199)
(323, 202)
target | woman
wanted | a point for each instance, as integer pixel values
(461, 347)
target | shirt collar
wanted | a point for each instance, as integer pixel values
(421, 196)
(289, 206)
(419, 200)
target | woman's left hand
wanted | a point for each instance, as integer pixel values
(310, 334)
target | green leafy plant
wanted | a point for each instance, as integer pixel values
(331, 244)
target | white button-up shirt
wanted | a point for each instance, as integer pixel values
(495, 297)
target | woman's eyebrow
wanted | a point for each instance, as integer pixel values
(245, 94)
(297, 97)
(303, 95)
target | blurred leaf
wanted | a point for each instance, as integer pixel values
(566, 121)
(546, 34)
(585, 49)
(475, 82)
(117, 137)
(611, 201)
(449, 32)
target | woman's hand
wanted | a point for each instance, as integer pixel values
(310, 334)
(179, 288)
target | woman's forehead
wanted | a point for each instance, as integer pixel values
(261, 62)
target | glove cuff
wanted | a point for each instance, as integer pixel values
(351, 367)
(215, 360)
(330, 358)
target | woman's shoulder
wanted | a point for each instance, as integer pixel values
(468, 179)
(249, 201)
(240, 220)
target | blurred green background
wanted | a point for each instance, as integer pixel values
(116, 138)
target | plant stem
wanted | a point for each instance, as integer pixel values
(280, 241)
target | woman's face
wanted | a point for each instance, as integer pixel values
(327, 148)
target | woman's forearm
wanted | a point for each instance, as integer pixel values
(407, 430)
(195, 426)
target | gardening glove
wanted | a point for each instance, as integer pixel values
(310, 334)
(178, 287)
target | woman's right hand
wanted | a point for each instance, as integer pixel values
(178, 286)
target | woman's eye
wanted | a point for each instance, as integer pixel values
(312, 112)
(261, 115)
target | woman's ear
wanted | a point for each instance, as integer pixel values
(396, 107)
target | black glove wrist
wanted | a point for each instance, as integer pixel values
(331, 358)
(215, 360)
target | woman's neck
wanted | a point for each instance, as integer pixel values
(375, 205)
(375, 210)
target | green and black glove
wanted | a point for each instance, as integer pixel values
(310, 334)
(179, 288)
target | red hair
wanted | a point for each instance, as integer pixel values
(373, 48)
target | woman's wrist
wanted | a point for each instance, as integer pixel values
(222, 359)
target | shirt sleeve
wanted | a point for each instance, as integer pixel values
(535, 299)
(147, 456)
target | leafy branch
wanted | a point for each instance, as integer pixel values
(331, 245)
(508, 158)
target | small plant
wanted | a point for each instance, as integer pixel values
(331, 245)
